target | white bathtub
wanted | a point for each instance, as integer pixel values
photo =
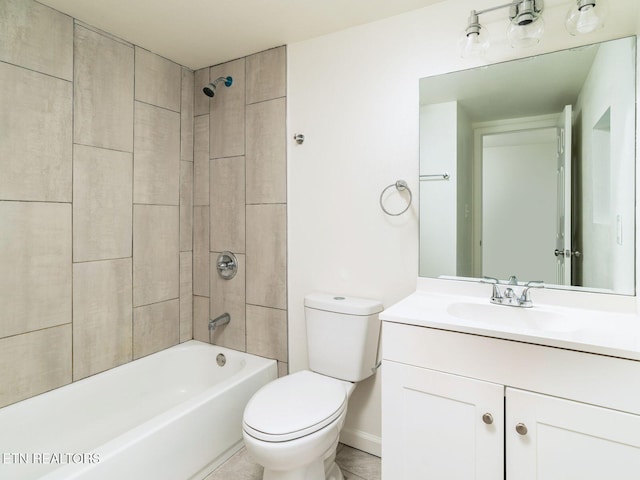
(173, 415)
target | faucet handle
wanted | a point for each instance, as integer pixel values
(493, 280)
(513, 280)
(496, 296)
(525, 298)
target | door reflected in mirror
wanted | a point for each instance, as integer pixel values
(540, 161)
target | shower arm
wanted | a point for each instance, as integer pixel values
(227, 81)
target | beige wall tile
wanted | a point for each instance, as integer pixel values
(186, 296)
(201, 138)
(102, 197)
(35, 142)
(156, 156)
(201, 318)
(186, 116)
(35, 278)
(201, 251)
(103, 95)
(201, 182)
(266, 152)
(45, 363)
(283, 369)
(155, 327)
(227, 201)
(36, 37)
(267, 75)
(267, 332)
(267, 255)
(186, 206)
(102, 316)
(200, 100)
(229, 296)
(201, 161)
(156, 270)
(228, 111)
(158, 80)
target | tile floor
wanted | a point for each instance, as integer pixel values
(355, 465)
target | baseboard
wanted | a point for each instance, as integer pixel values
(362, 441)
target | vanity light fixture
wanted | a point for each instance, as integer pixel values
(526, 25)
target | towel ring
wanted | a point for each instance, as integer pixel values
(400, 186)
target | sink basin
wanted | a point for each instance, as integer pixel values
(506, 317)
(568, 320)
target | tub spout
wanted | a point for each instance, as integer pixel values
(219, 321)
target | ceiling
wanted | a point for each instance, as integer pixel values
(537, 85)
(200, 33)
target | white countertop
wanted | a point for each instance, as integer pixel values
(595, 330)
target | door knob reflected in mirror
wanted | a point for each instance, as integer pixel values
(567, 253)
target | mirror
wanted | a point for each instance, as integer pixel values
(528, 168)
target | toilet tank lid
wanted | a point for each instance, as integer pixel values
(342, 304)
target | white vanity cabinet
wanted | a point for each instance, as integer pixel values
(457, 406)
(563, 440)
(440, 426)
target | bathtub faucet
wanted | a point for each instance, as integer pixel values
(219, 321)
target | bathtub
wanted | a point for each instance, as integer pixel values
(173, 415)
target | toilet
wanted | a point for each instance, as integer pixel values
(291, 426)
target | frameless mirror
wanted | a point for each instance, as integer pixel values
(527, 168)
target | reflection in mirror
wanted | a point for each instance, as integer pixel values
(527, 168)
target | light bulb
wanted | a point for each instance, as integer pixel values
(525, 34)
(474, 41)
(472, 46)
(585, 16)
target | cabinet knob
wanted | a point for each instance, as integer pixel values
(487, 418)
(521, 428)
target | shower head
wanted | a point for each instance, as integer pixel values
(210, 89)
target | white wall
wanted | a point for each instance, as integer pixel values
(605, 181)
(354, 95)
(439, 153)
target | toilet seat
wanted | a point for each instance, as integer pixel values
(294, 406)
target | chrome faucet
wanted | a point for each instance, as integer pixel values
(219, 321)
(510, 297)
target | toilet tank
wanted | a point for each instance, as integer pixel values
(342, 335)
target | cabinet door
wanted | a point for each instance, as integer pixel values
(567, 440)
(434, 426)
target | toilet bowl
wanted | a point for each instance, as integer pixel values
(292, 425)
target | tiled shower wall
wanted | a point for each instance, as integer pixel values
(240, 204)
(96, 180)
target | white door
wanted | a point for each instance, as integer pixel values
(563, 440)
(437, 426)
(519, 203)
(563, 235)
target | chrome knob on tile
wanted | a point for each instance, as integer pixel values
(487, 418)
(521, 428)
(227, 265)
